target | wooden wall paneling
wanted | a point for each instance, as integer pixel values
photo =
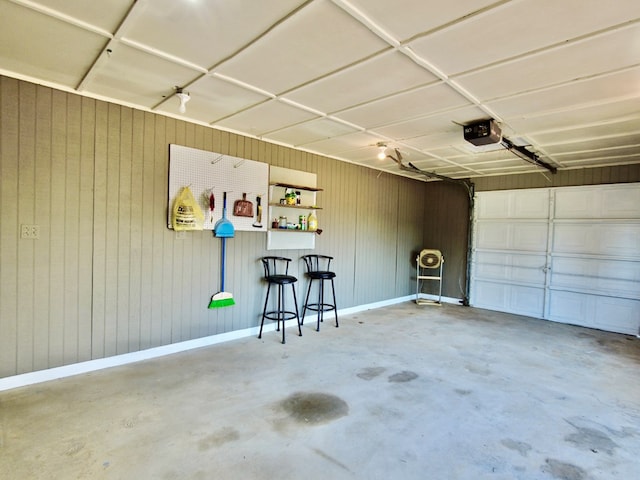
(135, 231)
(253, 297)
(123, 222)
(409, 235)
(189, 132)
(338, 221)
(85, 232)
(201, 284)
(247, 285)
(197, 293)
(58, 221)
(377, 224)
(180, 253)
(564, 178)
(111, 230)
(9, 225)
(167, 131)
(199, 136)
(155, 131)
(149, 281)
(99, 229)
(72, 221)
(224, 142)
(445, 228)
(47, 322)
(27, 279)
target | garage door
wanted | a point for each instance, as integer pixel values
(567, 254)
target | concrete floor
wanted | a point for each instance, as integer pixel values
(402, 392)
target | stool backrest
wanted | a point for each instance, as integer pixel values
(317, 263)
(275, 266)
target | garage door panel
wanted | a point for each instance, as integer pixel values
(596, 285)
(512, 236)
(611, 277)
(590, 238)
(608, 202)
(510, 298)
(606, 313)
(597, 239)
(524, 204)
(510, 267)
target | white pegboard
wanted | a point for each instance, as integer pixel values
(202, 171)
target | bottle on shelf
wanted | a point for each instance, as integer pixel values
(312, 222)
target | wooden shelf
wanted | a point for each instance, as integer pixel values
(291, 230)
(303, 207)
(299, 187)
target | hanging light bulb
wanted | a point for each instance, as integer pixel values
(382, 151)
(184, 97)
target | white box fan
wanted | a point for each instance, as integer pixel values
(429, 264)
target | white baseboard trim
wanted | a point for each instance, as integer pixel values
(25, 379)
(434, 298)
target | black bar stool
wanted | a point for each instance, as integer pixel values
(273, 265)
(319, 268)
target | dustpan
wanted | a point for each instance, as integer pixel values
(223, 227)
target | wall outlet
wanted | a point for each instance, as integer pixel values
(29, 231)
(181, 235)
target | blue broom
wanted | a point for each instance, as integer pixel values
(223, 229)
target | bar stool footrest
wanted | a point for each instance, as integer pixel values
(280, 315)
(322, 307)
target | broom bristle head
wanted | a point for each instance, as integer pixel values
(222, 299)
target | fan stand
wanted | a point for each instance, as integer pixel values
(425, 261)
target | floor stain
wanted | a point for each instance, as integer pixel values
(563, 471)
(461, 391)
(74, 448)
(591, 439)
(219, 438)
(478, 370)
(331, 459)
(521, 447)
(402, 377)
(370, 373)
(314, 407)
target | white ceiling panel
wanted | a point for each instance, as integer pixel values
(405, 106)
(436, 140)
(577, 94)
(404, 19)
(105, 15)
(335, 146)
(215, 99)
(605, 156)
(137, 77)
(595, 144)
(36, 45)
(613, 50)
(584, 133)
(448, 121)
(313, 42)
(338, 76)
(516, 28)
(266, 117)
(385, 74)
(312, 131)
(587, 115)
(213, 31)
